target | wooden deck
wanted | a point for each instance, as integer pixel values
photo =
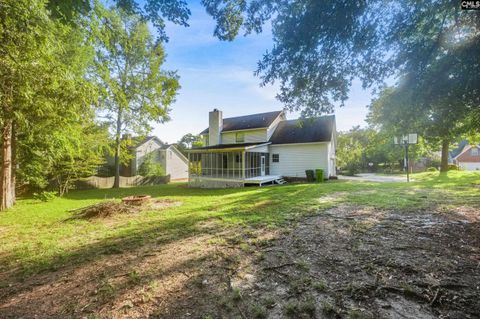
(261, 179)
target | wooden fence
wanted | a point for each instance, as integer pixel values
(107, 182)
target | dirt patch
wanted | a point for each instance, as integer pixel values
(355, 262)
(345, 262)
(158, 204)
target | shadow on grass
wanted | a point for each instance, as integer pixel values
(95, 263)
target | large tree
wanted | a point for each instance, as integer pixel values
(137, 90)
(41, 81)
(320, 47)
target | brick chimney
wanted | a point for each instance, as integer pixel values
(215, 126)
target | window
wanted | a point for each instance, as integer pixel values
(206, 140)
(474, 151)
(275, 158)
(238, 158)
(240, 137)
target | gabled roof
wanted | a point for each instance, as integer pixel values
(248, 122)
(461, 146)
(146, 139)
(312, 130)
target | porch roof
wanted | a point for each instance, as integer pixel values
(227, 147)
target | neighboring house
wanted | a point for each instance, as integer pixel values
(466, 156)
(171, 159)
(262, 148)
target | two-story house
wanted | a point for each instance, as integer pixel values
(262, 148)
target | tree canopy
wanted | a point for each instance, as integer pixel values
(128, 65)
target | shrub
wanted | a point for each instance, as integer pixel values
(452, 167)
(310, 175)
(432, 169)
(319, 175)
(45, 196)
(150, 167)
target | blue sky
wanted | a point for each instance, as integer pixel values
(216, 74)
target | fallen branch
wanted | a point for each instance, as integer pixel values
(435, 297)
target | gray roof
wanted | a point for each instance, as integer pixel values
(225, 146)
(253, 121)
(455, 152)
(312, 130)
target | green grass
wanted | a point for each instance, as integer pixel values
(38, 236)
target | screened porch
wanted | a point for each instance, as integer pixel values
(237, 165)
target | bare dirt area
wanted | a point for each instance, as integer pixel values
(344, 262)
(353, 262)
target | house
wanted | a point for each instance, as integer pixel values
(466, 156)
(262, 148)
(171, 159)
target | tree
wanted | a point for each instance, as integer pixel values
(42, 82)
(402, 109)
(80, 155)
(320, 47)
(188, 141)
(137, 91)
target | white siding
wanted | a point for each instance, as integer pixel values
(296, 158)
(469, 166)
(142, 151)
(251, 136)
(176, 164)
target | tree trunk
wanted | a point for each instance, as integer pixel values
(14, 163)
(116, 182)
(7, 190)
(444, 160)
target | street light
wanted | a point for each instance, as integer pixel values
(406, 140)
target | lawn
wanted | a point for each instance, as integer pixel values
(41, 242)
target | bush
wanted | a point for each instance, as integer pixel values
(319, 175)
(452, 167)
(45, 196)
(310, 175)
(150, 167)
(432, 169)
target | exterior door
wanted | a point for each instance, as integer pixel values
(262, 165)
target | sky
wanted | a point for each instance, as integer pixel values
(219, 74)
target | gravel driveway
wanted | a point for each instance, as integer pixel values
(372, 177)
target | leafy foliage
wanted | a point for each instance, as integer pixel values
(137, 91)
(188, 141)
(44, 91)
(360, 147)
(320, 48)
(151, 167)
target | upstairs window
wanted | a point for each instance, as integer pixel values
(474, 151)
(275, 158)
(240, 137)
(206, 140)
